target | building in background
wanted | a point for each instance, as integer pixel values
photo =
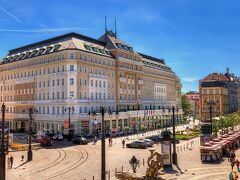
(194, 99)
(178, 92)
(77, 71)
(221, 92)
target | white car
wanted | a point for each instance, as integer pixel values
(58, 137)
(149, 142)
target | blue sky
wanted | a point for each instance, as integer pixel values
(195, 37)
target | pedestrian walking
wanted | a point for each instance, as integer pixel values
(95, 139)
(22, 157)
(11, 162)
(111, 141)
(123, 143)
(237, 164)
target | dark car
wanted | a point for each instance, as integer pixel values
(79, 140)
(137, 144)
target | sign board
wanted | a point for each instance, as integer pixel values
(66, 124)
(206, 129)
(166, 150)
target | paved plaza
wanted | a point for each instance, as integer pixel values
(78, 162)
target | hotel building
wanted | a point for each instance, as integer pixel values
(77, 71)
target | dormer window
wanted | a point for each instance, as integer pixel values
(94, 49)
(119, 45)
(87, 47)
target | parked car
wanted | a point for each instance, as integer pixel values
(43, 140)
(79, 140)
(154, 138)
(58, 137)
(137, 144)
(149, 142)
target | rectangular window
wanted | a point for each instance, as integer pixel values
(85, 82)
(85, 109)
(91, 95)
(85, 95)
(62, 95)
(80, 110)
(53, 110)
(96, 83)
(71, 81)
(80, 68)
(53, 82)
(80, 95)
(100, 83)
(57, 82)
(85, 69)
(47, 110)
(104, 84)
(71, 67)
(91, 83)
(71, 56)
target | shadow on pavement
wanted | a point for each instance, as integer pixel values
(21, 164)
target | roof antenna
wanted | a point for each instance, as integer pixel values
(105, 36)
(227, 70)
(105, 24)
(115, 28)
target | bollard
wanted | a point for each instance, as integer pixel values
(143, 161)
(122, 168)
(109, 175)
(93, 177)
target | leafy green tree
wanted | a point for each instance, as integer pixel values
(186, 107)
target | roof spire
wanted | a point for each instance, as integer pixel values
(227, 69)
(115, 28)
(105, 24)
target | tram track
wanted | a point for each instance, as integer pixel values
(81, 159)
(53, 163)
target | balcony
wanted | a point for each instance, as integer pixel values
(25, 80)
(99, 76)
(122, 79)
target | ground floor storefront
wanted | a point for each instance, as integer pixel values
(114, 125)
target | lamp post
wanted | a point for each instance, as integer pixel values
(31, 111)
(211, 103)
(70, 109)
(3, 156)
(103, 172)
(134, 162)
(174, 155)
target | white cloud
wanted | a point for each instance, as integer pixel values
(40, 30)
(11, 15)
(190, 79)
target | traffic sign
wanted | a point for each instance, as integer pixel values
(206, 129)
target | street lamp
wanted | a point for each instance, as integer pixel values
(211, 103)
(2, 153)
(134, 162)
(70, 109)
(31, 111)
(103, 172)
(174, 155)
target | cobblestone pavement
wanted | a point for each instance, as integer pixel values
(65, 161)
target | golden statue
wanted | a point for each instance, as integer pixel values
(154, 162)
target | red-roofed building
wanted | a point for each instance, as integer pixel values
(221, 91)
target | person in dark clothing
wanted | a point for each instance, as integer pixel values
(123, 143)
(11, 162)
